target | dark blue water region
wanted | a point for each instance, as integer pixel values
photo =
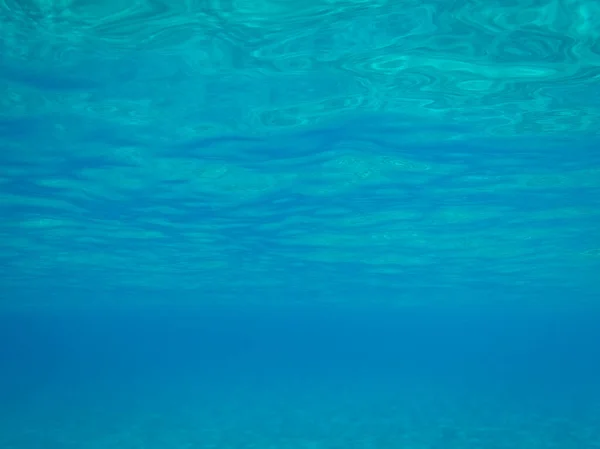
(300, 377)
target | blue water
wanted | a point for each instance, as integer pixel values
(298, 378)
(318, 225)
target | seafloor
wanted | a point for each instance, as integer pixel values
(414, 382)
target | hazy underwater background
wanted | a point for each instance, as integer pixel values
(317, 224)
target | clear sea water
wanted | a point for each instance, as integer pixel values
(319, 224)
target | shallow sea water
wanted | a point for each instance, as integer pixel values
(326, 224)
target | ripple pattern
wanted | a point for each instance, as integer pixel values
(458, 59)
(233, 146)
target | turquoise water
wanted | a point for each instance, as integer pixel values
(318, 224)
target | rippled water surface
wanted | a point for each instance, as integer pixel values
(322, 147)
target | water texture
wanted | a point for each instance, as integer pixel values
(218, 148)
(304, 224)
